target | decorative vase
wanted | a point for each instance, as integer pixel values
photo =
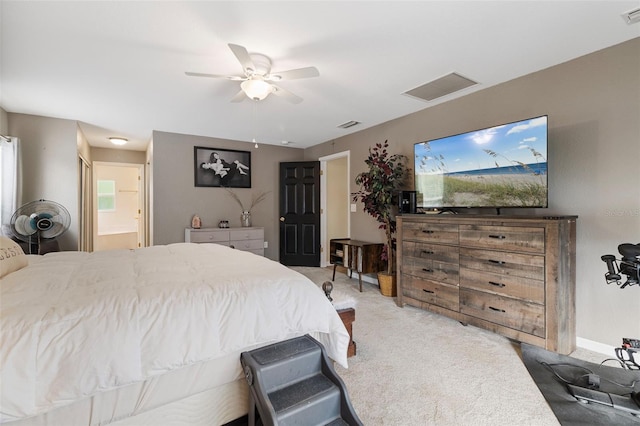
(245, 219)
(387, 284)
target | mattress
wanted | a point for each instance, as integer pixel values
(113, 334)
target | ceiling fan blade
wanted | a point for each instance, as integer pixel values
(279, 91)
(227, 77)
(294, 74)
(243, 56)
(239, 97)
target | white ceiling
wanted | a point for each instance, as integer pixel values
(119, 67)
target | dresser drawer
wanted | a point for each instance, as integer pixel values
(505, 285)
(515, 238)
(516, 314)
(247, 245)
(246, 234)
(431, 270)
(503, 263)
(431, 292)
(431, 252)
(430, 232)
(210, 236)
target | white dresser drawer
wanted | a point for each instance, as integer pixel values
(247, 244)
(209, 236)
(246, 234)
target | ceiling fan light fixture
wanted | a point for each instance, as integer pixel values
(256, 89)
(118, 140)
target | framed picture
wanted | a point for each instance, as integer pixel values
(222, 167)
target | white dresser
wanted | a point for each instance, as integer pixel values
(246, 239)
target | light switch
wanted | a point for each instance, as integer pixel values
(353, 208)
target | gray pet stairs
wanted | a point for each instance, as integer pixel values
(294, 383)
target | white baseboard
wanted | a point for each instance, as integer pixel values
(595, 346)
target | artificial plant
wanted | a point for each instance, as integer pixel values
(378, 185)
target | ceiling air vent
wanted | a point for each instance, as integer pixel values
(349, 124)
(440, 87)
(632, 16)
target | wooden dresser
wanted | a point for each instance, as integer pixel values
(246, 239)
(513, 275)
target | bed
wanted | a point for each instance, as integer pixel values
(146, 336)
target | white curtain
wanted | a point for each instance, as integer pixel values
(10, 180)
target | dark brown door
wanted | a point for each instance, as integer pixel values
(300, 213)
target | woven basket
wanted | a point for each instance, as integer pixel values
(387, 284)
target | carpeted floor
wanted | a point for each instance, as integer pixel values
(418, 368)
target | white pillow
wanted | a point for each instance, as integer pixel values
(12, 258)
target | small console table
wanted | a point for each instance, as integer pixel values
(361, 256)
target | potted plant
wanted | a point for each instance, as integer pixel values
(378, 185)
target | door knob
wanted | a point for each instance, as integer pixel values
(281, 218)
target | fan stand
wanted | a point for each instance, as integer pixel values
(31, 243)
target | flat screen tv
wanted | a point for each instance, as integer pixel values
(502, 166)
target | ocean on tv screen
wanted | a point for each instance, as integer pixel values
(501, 166)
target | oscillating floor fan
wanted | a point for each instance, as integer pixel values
(39, 220)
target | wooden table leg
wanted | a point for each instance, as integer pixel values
(348, 316)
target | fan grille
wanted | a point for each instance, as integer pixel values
(41, 219)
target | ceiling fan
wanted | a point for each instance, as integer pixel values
(258, 80)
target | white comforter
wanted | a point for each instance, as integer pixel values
(74, 323)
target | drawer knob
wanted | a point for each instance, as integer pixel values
(428, 291)
(497, 309)
(497, 284)
(498, 237)
(497, 262)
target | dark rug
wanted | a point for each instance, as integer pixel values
(554, 373)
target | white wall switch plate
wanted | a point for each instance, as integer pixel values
(353, 208)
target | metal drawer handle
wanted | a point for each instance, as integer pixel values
(427, 270)
(427, 231)
(428, 291)
(496, 309)
(427, 252)
(497, 284)
(498, 237)
(497, 262)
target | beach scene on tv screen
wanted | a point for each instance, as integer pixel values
(501, 166)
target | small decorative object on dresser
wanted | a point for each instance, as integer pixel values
(513, 275)
(245, 219)
(196, 222)
(245, 213)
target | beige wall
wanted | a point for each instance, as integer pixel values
(50, 165)
(4, 123)
(593, 104)
(118, 155)
(337, 201)
(176, 199)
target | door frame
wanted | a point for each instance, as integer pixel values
(323, 200)
(142, 219)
